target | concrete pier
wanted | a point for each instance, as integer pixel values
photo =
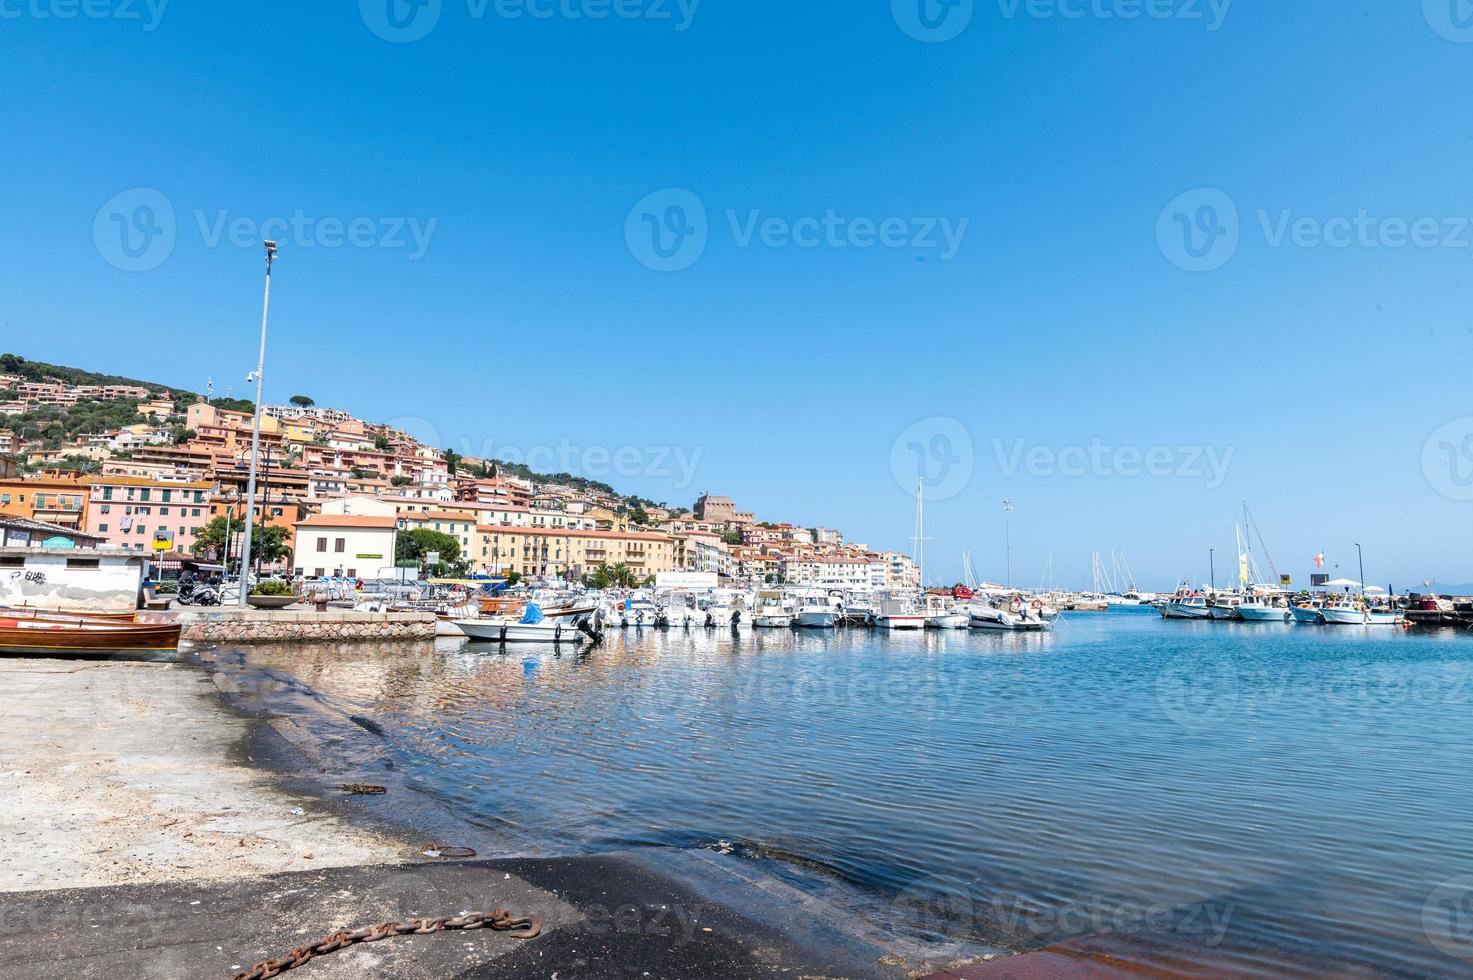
(226, 625)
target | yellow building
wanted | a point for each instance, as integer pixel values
(570, 553)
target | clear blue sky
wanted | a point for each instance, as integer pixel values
(1063, 319)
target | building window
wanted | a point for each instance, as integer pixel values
(102, 528)
(340, 545)
(321, 546)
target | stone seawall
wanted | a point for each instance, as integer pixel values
(280, 626)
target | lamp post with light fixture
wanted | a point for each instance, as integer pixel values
(259, 377)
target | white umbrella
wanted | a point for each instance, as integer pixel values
(1375, 590)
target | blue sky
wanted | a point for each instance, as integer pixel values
(1070, 333)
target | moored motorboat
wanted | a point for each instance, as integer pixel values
(513, 631)
(1186, 605)
(984, 617)
(1308, 612)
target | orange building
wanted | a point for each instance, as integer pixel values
(55, 500)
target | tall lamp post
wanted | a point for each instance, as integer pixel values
(1360, 558)
(1007, 521)
(245, 553)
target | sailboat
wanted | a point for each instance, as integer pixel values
(904, 612)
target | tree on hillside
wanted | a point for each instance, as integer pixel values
(301, 401)
(639, 516)
(452, 460)
(412, 546)
(267, 543)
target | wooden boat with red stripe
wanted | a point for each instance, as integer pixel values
(50, 637)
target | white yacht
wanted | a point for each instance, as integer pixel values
(815, 611)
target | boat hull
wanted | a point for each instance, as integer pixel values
(493, 631)
(815, 619)
(774, 622)
(900, 622)
(1306, 614)
(49, 638)
(1221, 612)
(1263, 614)
(1343, 617)
(946, 621)
(1181, 610)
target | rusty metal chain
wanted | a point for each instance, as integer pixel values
(517, 927)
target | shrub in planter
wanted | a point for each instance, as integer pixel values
(273, 586)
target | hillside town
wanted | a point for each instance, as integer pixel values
(337, 493)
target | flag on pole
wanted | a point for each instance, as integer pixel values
(1319, 560)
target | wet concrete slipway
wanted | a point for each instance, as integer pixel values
(162, 823)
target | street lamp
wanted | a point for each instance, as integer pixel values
(260, 379)
(1007, 520)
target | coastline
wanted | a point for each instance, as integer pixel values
(141, 784)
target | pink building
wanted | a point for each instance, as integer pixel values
(134, 512)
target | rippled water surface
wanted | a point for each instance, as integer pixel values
(1233, 798)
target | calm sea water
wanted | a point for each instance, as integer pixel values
(1226, 798)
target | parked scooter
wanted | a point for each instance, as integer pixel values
(198, 594)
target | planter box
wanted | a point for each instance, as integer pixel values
(271, 601)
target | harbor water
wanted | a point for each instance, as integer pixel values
(1227, 798)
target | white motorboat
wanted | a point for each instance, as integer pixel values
(771, 612)
(1351, 612)
(982, 617)
(1308, 611)
(559, 630)
(1223, 606)
(946, 620)
(816, 611)
(896, 614)
(1262, 609)
(1186, 605)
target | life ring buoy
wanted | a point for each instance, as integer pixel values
(1037, 604)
